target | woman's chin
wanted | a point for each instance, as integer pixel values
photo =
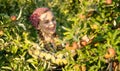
(51, 31)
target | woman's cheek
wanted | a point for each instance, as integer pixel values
(55, 22)
(46, 26)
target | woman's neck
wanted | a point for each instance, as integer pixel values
(48, 37)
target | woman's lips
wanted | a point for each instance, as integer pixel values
(51, 29)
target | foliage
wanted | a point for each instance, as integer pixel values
(97, 19)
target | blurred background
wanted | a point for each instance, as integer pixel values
(98, 20)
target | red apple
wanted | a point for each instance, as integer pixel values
(13, 18)
(108, 1)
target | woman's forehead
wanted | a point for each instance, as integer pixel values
(47, 16)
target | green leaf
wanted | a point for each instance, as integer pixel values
(67, 29)
(6, 68)
(14, 49)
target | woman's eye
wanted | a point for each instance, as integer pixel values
(53, 19)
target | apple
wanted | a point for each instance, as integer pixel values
(13, 18)
(75, 45)
(81, 16)
(112, 52)
(83, 42)
(108, 1)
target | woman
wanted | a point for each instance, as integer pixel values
(44, 22)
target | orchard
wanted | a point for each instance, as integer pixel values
(89, 31)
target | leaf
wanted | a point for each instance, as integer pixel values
(22, 25)
(118, 19)
(31, 60)
(67, 29)
(14, 49)
(67, 33)
(114, 23)
(7, 68)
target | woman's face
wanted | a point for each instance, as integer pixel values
(47, 23)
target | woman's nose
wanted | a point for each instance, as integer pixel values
(52, 24)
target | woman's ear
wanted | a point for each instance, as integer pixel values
(38, 27)
(39, 24)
